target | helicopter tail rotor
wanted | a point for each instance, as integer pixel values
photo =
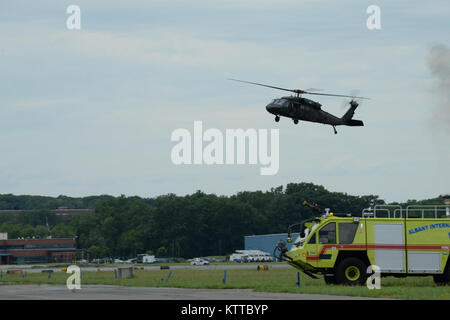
(348, 116)
(354, 99)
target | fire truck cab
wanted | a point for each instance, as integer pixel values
(401, 242)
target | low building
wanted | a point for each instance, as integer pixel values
(61, 211)
(64, 211)
(22, 251)
(267, 242)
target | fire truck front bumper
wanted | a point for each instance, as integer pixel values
(297, 259)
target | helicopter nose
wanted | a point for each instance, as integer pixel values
(270, 108)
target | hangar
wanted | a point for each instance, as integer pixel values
(21, 251)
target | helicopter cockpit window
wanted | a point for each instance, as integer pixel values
(281, 102)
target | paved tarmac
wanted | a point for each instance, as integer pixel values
(102, 292)
(28, 268)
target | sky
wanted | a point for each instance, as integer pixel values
(91, 111)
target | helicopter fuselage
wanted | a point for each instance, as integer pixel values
(299, 108)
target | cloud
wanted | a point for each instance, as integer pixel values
(92, 111)
(439, 66)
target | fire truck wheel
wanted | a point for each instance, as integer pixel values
(351, 271)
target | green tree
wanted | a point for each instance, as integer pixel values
(96, 252)
(62, 231)
(161, 252)
(40, 231)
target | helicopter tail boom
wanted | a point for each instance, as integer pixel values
(355, 123)
(347, 117)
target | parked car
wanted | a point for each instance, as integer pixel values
(98, 261)
(260, 258)
(199, 262)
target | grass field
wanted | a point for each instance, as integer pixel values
(273, 280)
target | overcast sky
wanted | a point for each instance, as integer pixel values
(91, 111)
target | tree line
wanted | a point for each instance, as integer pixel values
(199, 224)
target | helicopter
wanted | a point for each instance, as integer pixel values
(299, 108)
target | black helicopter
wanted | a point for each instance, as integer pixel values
(298, 108)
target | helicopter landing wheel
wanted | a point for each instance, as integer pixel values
(277, 118)
(334, 128)
(295, 121)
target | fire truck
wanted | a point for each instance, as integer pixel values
(412, 241)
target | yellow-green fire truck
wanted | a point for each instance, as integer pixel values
(401, 242)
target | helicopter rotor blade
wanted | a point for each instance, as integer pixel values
(336, 95)
(313, 89)
(265, 85)
(299, 91)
